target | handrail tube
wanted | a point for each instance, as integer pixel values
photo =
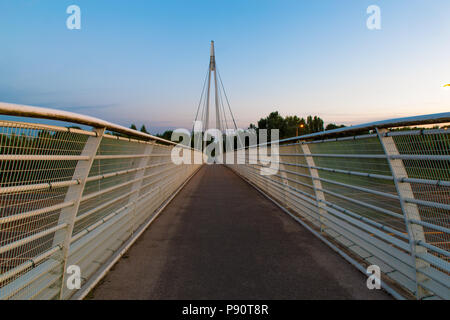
(34, 213)
(21, 242)
(53, 114)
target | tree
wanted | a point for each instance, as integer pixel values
(133, 127)
(166, 135)
(314, 124)
(290, 126)
(143, 129)
(333, 126)
(273, 121)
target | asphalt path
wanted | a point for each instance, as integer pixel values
(219, 238)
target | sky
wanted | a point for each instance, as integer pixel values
(144, 61)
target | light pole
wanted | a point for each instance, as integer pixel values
(301, 126)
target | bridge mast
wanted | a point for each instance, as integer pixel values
(220, 97)
(211, 61)
(212, 69)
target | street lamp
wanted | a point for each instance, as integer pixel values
(301, 126)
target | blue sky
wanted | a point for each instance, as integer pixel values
(144, 61)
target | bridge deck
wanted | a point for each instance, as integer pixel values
(221, 239)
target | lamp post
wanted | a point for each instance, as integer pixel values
(301, 126)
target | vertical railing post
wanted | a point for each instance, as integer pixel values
(410, 210)
(284, 180)
(74, 194)
(317, 185)
(139, 177)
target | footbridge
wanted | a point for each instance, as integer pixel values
(91, 209)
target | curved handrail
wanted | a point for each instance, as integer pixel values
(390, 123)
(11, 109)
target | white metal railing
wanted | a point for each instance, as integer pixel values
(378, 192)
(70, 196)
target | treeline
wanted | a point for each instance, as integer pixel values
(166, 135)
(143, 128)
(49, 142)
(292, 126)
(289, 126)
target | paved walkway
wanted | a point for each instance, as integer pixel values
(221, 239)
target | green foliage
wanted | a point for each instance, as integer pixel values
(273, 121)
(314, 124)
(291, 126)
(39, 142)
(166, 135)
(144, 130)
(333, 126)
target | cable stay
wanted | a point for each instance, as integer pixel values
(222, 110)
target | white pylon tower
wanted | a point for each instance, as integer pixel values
(219, 92)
